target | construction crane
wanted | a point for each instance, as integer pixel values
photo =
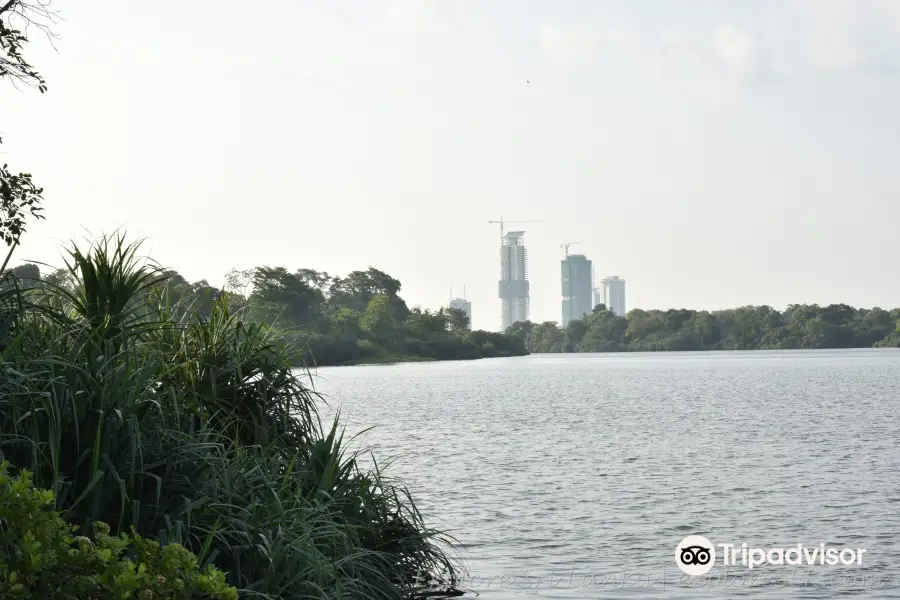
(502, 222)
(566, 246)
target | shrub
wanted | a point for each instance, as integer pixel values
(191, 428)
(40, 556)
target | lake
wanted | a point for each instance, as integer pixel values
(577, 475)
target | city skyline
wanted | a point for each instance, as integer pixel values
(714, 154)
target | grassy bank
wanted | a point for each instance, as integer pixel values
(187, 424)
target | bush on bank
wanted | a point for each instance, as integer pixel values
(188, 426)
(40, 556)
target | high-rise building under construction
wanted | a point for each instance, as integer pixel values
(513, 278)
(577, 278)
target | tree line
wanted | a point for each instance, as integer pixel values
(800, 326)
(331, 320)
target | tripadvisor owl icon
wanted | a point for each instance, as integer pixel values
(695, 555)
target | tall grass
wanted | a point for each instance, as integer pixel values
(190, 426)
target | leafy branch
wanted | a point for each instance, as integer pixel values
(16, 18)
(19, 196)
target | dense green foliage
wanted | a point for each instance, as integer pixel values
(40, 556)
(361, 318)
(333, 320)
(185, 421)
(746, 328)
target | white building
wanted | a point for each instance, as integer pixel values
(513, 285)
(613, 295)
(463, 305)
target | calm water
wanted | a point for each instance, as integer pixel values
(575, 476)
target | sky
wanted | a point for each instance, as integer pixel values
(713, 153)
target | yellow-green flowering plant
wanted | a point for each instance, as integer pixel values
(41, 556)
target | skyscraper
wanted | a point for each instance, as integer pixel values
(463, 305)
(614, 294)
(513, 278)
(576, 287)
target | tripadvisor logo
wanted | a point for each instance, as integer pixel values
(695, 555)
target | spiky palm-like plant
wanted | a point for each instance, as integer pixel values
(191, 426)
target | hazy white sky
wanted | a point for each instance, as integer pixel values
(713, 153)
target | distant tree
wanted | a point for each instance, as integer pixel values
(300, 303)
(521, 331)
(237, 281)
(576, 328)
(316, 279)
(744, 328)
(378, 319)
(203, 296)
(892, 340)
(547, 337)
(706, 328)
(604, 331)
(58, 277)
(457, 320)
(27, 271)
(27, 275)
(359, 287)
(428, 321)
(345, 322)
(340, 320)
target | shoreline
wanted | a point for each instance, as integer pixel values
(396, 360)
(701, 350)
(379, 361)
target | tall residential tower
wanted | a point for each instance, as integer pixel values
(576, 287)
(614, 294)
(513, 278)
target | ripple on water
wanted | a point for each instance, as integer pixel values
(574, 476)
